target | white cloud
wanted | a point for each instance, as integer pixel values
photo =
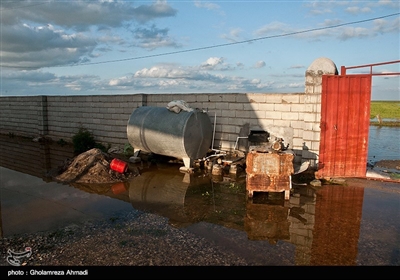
(233, 36)
(353, 32)
(239, 65)
(162, 72)
(164, 76)
(37, 34)
(152, 38)
(80, 14)
(259, 64)
(389, 3)
(384, 26)
(40, 46)
(297, 67)
(275, 27)
(206, 5)
(357, 10)
(67, 32)
(212, 62)
(340, 32)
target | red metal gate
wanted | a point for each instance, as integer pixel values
(345, 110)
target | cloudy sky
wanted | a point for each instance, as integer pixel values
(81, 47)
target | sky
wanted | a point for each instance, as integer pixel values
(89, 47)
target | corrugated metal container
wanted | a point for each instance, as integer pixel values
(184, 135)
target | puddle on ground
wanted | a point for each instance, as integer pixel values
(353, 224)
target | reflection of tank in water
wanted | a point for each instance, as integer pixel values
(188, 198)
(159, 188)
(162, 192)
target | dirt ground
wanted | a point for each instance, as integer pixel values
(90, 167)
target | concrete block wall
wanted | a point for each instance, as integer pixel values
(106, 116)
(21, 115)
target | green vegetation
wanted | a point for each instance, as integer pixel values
(386, 110)
(62, 142)
(84, 141)
(128, 150)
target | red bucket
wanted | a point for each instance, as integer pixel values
(119, 165)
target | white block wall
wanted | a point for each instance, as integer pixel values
(292, 116)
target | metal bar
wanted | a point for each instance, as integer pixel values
(374, 64)
(215, 123)
(237, 140)
(376, 74)
(344, 68)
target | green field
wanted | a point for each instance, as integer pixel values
(386, 110)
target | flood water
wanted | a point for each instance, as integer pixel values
(357, 224)
(383, 143)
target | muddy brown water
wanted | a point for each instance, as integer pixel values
(356, 224)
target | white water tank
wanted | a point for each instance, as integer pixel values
(184, 135)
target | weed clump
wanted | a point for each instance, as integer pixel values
(83, 141)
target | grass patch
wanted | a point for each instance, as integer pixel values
(395, 176)
(386, 109)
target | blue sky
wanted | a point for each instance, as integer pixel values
(58, 47)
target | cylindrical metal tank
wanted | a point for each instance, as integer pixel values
(183, 135)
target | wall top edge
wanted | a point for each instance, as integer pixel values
(136, 94)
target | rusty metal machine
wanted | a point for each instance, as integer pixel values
(269, 168)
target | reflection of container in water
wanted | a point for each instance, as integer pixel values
(158, 188)
(209, 165)
(118, 188)
(217, 178)
(217, 169)
(119, 165)
(232, 169)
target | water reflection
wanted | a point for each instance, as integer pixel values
(188, 198)
(338, 211)
(323, 223)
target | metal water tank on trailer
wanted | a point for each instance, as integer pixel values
(184, 135)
